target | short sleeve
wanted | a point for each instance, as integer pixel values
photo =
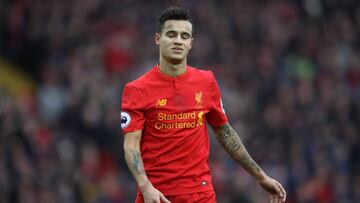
(216, 116)
(132, 115)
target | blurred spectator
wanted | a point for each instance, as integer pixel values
(289, 70)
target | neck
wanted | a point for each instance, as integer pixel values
(172, 69)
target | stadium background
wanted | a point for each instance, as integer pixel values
(289, 72)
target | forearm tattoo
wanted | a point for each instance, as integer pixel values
(136, 162)
(230, 141)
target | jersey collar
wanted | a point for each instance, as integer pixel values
(163, 76)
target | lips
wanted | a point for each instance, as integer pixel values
(177, 50)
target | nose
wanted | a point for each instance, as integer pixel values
(178, 39)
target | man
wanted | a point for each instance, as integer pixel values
(164, 115)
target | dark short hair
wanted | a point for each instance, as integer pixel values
(172, 13)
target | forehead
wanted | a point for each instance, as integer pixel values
(177, 25)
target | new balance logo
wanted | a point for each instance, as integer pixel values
(161, 102)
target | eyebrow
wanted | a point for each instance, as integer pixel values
(181, 32)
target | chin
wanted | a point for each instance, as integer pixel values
(176, 60)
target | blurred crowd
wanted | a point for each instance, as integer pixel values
(289, 72)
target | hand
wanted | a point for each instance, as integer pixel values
(152, 195)
(276, 190)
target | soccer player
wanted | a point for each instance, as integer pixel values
(164, 115)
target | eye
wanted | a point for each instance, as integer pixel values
(185, 35)
(171, 34)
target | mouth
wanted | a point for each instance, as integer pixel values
(177, 50)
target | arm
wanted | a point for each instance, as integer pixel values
(233, 145)
(136, 166)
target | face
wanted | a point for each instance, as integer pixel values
(175, 40)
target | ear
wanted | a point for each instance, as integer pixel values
(157, 38)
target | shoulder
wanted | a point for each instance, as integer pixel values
(201, 73)
(134, 88)
(140, 82)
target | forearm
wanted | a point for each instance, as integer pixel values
(136, 167)
(231, 142)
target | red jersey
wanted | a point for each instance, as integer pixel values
(172, 112)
